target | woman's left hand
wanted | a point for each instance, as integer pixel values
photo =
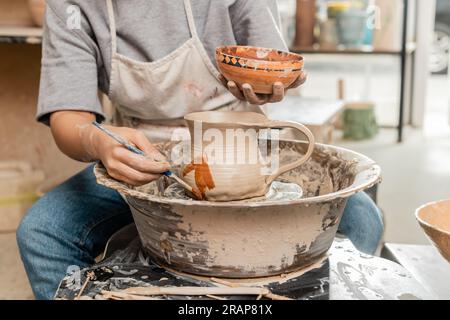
(247, 93)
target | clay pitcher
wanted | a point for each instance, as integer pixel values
(233, 155)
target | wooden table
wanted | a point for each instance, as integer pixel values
(425, 264)
(30, 35)
(318, 115)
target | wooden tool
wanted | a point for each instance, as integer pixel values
(145, 293)
(133, 149)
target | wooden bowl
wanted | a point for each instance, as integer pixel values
(37, 10)
(434, 218)
(259, 67)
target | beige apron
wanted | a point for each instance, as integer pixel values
(155, 96)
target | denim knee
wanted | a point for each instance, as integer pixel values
(362, 223)
(26, 227)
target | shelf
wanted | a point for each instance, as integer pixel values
(30, 35)
(410, 48)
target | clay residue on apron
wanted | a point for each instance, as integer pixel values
(326, 172)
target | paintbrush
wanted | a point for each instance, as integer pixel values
(195, 191)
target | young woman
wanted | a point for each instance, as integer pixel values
(155, 60)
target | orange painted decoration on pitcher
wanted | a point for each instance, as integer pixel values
(203, 176)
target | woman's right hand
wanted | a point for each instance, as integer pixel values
(122, 164)
(79, 139)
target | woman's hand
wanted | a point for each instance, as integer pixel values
(247, 93)
(79, 139)
(124, 165)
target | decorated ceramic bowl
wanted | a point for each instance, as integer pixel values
(259, 67)
(434, 218)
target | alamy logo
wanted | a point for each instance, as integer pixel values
(73, 277)
(224, 147)
(73, 21)
(374, 17)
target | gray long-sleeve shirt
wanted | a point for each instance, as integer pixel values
(77, 62)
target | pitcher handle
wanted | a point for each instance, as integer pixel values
(303, 129)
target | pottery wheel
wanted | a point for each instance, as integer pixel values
(129, 267)
(345, 274)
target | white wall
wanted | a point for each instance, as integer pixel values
(424, 35)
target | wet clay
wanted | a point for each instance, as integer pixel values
(203, 177)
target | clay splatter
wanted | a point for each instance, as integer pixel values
(203, 177)
(194, 90)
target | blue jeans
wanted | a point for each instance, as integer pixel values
(71, 225)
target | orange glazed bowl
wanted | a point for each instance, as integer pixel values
(259, 67)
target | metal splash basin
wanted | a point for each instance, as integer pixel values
(251, 238)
